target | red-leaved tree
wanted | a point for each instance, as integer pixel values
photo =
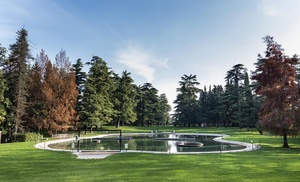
(275, 75)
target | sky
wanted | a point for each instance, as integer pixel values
(157, 41)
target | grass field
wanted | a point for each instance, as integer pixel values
(22, 162)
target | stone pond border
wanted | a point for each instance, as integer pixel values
(102, 154)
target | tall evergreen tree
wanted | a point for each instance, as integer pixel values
(186, 101)
(228, 103)
(275, 75)
(164, 109)
(147, 106)
(235, 76)
(80, 77)
(215, 110)
(249, 105)
(125, 100)
(4, 102)
(98, 108)
(16, 73)
(202, 110)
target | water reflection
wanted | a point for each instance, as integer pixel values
(172, 144)
(157, 142)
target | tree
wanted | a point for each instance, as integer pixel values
(235, 76)
(186, 101)
(4, 102)
(60, 93)
(80, 77)
(275, 76)
(36, 98)
(202, 110)
(215, 111)
(124, 97)
(147, 105)
(164, 109)
(228, 103)
(16, 73)
(98, 107)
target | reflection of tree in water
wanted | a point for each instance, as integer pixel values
(150, 142)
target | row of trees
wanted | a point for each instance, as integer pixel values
(271, 102)
(105, 97)
(36, 94)
(234, 105)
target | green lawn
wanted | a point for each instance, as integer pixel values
(22, 162)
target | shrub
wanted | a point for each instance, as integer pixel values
(26, 137)
(32, 137)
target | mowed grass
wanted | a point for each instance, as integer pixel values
(22, 162)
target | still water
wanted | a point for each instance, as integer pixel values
(165, 142)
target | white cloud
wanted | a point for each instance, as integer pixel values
(270, 11)
(269, 8)
(140, 61)
(279, 8)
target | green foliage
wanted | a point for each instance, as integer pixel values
(234, 77)
(124, 99)
(27, 137)
(147, 105)
(32, 137)
(19, 137)
(164, 109)
(80, 77)
(97, 104)
(186, 101)
(16, 73)
(4, 102)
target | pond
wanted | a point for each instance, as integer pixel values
(150, 142)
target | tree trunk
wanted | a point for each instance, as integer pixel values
(118, 123)
(285, 142)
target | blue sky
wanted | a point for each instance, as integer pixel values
(156, 40)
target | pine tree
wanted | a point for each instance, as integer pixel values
(228, 103)
(16, 73)
(147, 106)
(98, 107)
(80, 77)
(249, 104)
(164, 109)
(235, 76)
(202, 110)
(186, 101)
(124, 96)
(4, 102)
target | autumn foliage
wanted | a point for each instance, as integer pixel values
(275, 74)
(53, 94)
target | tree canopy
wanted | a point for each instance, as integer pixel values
(275, 75)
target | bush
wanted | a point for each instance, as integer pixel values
(32, 137)
(26, 137)
(18, 137)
